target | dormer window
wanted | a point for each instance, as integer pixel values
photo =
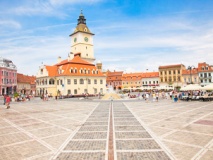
(85, 29)
(59, 71)
(71, 70)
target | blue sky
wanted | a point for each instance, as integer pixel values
(130, 35)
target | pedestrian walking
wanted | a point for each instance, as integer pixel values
(5, 96)
(8, 101)
(157, 96)
(147, 97)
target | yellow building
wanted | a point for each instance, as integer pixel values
(171, 75)
(77, 74)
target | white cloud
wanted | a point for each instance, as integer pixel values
(120, 46)
(10, 24)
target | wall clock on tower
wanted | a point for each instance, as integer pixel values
(86, 39)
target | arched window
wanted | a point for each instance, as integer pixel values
(81, 81)
(89, 81)
(68, 91)
(51, 81)
(71, 70)
(75, 91)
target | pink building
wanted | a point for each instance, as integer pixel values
(8, 76)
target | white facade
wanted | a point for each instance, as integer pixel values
(205, 78)
(83, 43)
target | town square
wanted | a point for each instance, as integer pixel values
(80, 129)
(106, 80)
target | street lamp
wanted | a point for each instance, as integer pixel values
(190, 68)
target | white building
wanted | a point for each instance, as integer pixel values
(77, 74)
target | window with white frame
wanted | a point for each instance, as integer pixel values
(75, 81)
(81, 81)
(68, 81)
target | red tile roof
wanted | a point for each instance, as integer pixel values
(21, 78)
(187, 72)
(170, 66)
(204, 67)
(77, 63)
(150, 74)
(132, 76)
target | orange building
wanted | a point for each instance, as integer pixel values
(131, 80)
(26, 84)
(75, 77)
(114, 79)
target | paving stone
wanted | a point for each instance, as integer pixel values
(142, 156)
(8, 130)
(169, 125)
(207, 156)
(125, 123)
(90, 135)
(190, 138)
(45, 132)
(82, 156)
(4, 124)
(35, 126)
(93, 128)
(23, 150)
(124, 115)
(13, 138)
(100, 119)
(129, 135)
(128, 128)
(96, 123)
(86, 145)
(180, 151)
(56, 141)
(136, 144)
(26, 121)
(199, 128)
(118, 119)
(160, 131)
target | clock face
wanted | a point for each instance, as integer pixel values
(75, 39)
(86, 39)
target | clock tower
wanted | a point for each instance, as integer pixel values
(82, 41)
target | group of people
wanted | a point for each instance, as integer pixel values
(155, 95)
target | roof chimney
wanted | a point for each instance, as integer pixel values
(59, 59)
(70, 56)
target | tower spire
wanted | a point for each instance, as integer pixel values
(81, 19)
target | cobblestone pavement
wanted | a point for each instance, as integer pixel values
(70, 129)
